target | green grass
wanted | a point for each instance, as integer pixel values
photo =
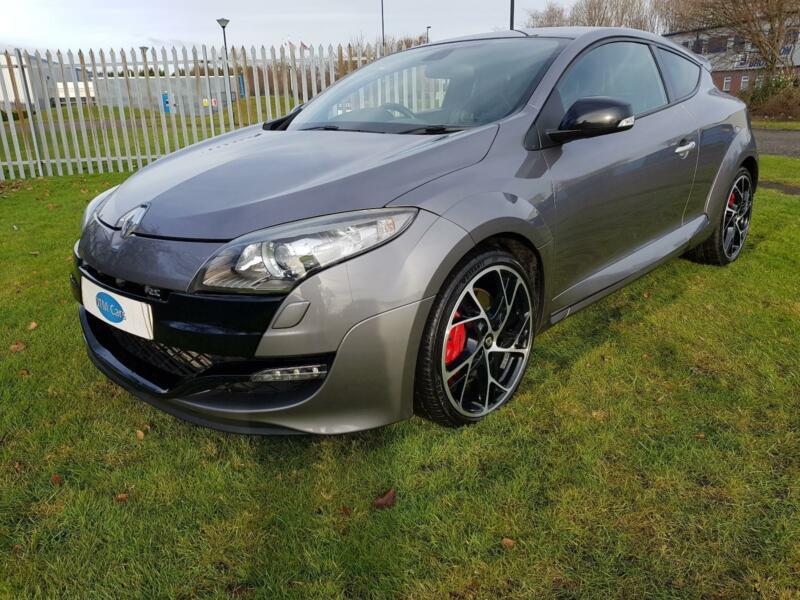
(772, 124)
(781, 169)
(653, 451)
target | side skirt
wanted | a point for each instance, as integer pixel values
(619, 274)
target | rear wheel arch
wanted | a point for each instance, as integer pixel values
(751, 164)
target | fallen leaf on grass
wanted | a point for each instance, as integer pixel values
(139, 435)
(16, 549)
(24, 373)
(508, 542)
(32, 325)
(646, 295)
(700, 436)
(346, 511)
(121, 498)
(15, 228)
(17, 347)
(34, 253)
(385, 500)
(57, 479)
(599, 415)
(18, 467)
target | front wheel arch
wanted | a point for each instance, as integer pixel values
(527, 254)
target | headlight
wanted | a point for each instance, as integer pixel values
(94, 206)
(275, 259)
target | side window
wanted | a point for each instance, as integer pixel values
(622, 70)
(682, 74)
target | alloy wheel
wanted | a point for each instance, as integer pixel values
(736, 219)
(487, 341)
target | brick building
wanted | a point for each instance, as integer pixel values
(736, 65)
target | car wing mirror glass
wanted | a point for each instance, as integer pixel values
(591, 117)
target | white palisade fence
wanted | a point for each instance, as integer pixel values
(64, 113)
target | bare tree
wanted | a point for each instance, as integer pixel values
(650, 15)
(639, 14)
(764, 24)
(553, 15)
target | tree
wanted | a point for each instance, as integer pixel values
(553, 15)
(764, 24)
(649, 15)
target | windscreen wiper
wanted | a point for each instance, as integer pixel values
(337, 128)
(431, 130)
(322, 128)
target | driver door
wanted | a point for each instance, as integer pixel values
(615, 193)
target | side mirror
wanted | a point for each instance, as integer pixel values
(590, 117)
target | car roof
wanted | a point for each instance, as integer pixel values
(588, 34)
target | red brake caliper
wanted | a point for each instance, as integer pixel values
(456, 341)
(731, 200)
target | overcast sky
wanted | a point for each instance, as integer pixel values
(40, 24)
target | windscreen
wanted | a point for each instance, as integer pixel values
(455, 85)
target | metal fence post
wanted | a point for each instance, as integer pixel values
(29, 104)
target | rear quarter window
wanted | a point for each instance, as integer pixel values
(682, 74)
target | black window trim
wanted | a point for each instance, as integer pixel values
(533, 138)
(674, 98)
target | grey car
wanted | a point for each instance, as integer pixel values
(393, 246)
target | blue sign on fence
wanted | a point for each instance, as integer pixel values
(165, 100)
(241, 85)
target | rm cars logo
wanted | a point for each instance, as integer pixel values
(109, 308)
(128, 222)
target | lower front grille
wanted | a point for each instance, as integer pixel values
(168, 371)
(176, 361)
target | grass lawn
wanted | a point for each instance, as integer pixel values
(654, 450)
(781, 169)
(771, 124)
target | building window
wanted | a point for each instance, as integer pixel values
(745, 82)
(759, 81)
(726, 84)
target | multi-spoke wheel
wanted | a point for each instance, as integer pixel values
(736, 219)
(727, 241)
(477, 341)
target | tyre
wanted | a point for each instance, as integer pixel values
(727, 241)
(477, 340)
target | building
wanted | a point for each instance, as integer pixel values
(736, 65)
(40, 82)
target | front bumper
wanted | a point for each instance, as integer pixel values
(363, 319)
(369, 382)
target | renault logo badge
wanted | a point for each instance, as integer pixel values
(128, 222)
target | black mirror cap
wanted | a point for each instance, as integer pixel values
(590, 117)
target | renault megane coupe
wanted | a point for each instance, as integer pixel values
(394, 245)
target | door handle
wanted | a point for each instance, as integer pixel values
(684, 149)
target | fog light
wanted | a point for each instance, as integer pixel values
(291, 374)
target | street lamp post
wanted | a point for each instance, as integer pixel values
(223, 22)
(428, 34)
(383, 31)
(511, 16)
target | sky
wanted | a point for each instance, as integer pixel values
(74, 24)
